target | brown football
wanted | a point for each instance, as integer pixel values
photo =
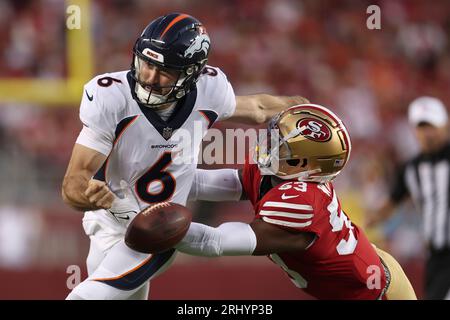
(158, 227)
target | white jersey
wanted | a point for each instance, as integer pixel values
(156, 158)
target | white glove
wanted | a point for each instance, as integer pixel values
(126, 208)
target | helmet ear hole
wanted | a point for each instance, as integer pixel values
(190, 71)
(296, 162)
(293, 162)
(304, 163)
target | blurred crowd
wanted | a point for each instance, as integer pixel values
(320, 49)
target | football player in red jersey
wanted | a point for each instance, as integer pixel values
(298, 221)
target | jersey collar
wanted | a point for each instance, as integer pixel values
(179, 116)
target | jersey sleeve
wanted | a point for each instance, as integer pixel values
(289, 209)
(98, 118)
(399, 189)
(219, 93)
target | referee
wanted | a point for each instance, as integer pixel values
(425, 178)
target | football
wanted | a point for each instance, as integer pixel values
(158, 227)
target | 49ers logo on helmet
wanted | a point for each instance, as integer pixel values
(314, 129)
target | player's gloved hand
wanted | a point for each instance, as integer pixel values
(126, 207)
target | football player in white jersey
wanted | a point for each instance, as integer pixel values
(125, 156)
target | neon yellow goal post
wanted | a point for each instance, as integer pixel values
(65, 91)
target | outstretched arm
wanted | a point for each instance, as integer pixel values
(259, 108)
(398, 193)
(237, 239)
(380, 215)
(217, 185)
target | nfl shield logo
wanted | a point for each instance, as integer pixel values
(167, 133)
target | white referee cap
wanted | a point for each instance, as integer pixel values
(429, 110)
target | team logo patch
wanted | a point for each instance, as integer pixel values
(314, 129)
(200, 43)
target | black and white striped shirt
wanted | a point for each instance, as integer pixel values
(426, 179)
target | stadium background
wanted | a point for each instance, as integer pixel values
(319, 49)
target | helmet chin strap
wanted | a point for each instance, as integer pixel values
(151, 100)
(301, 176)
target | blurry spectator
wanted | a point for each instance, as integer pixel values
(19, 230)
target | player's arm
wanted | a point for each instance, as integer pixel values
(259, 108)
(380, 215)
(237, 239)
(273, 239)
(93, 145)
(217, 185)
(399, 192)
(79, 190)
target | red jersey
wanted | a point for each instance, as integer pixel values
(340, 261)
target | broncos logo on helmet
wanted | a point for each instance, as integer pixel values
(200, 43)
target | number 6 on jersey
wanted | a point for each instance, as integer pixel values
(154, 175)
